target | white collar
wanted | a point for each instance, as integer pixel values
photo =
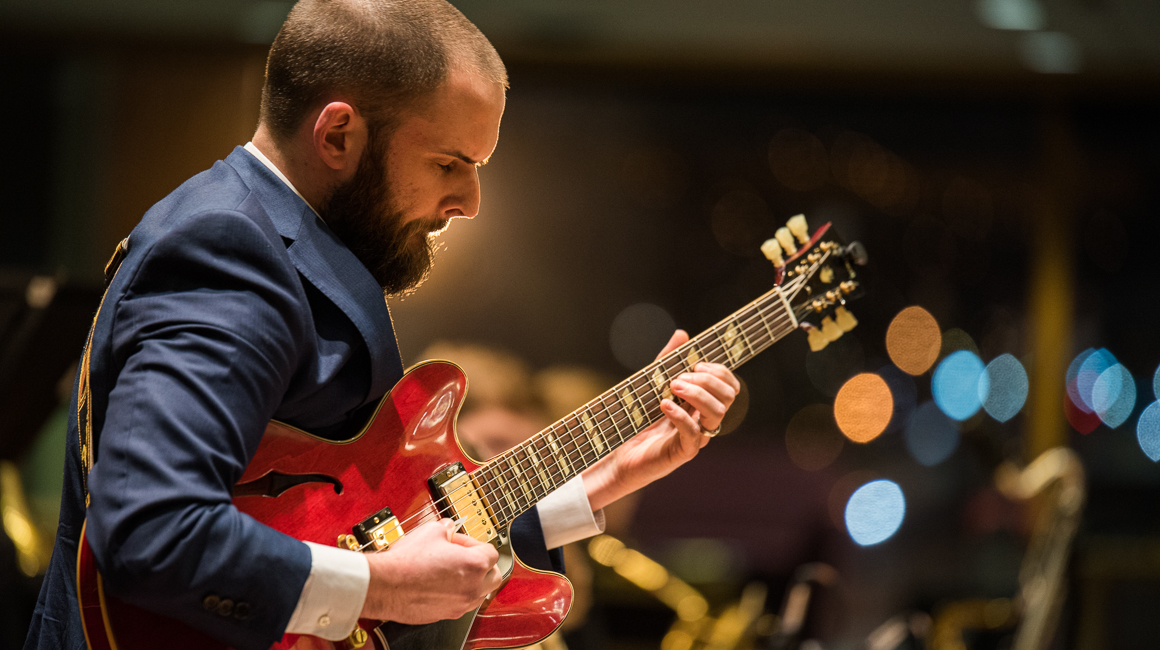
(257, 153)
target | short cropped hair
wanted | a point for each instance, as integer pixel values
(383, 55)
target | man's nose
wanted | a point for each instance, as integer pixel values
(466, 198)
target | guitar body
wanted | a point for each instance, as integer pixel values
(388, 464)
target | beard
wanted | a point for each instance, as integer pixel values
(398, 253)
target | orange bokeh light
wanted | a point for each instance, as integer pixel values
(913, 340)
(863, 407)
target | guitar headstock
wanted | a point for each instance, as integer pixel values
(818, 277)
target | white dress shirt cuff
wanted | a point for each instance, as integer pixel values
(333, 595)
(566, 515)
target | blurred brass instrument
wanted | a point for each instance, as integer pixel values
(1055, 487)
(737, 626)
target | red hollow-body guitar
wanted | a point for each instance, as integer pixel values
(406, 467)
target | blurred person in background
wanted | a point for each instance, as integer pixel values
(255, 292)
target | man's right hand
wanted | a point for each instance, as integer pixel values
(431, 574)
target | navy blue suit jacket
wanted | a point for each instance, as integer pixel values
(234, 305)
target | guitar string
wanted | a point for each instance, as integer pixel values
(560, 474)
(762, 339)
(753, 314)
(581, 447)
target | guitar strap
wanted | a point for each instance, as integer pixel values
(84, 386)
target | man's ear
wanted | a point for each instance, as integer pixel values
(340, 135)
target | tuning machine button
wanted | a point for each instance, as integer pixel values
(830, 329)
(844, 319)
(771, 249)
(816, 339)
(785, 238)
(799, 228)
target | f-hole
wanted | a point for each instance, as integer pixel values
(273, 484)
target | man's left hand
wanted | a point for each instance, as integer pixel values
(656, 451)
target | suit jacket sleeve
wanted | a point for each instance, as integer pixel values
(205, 341)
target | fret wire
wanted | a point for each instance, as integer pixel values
(607, 416)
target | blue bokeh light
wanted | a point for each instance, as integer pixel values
(957, 384)
(1089, 371)
(1114, 395)
(874, 512)
(1156, 383)
(1073, 373)
(1007, 384)
(1148, 431)
(931, 436)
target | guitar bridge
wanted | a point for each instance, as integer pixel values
(375, 533)
(458, 496)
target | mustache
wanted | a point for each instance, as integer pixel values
(429, 226)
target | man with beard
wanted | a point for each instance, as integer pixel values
(255, 292)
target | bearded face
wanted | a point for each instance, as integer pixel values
(361, 212)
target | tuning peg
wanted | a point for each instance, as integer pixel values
(785, 238)
(816, 339)
(800, 229)
(844, 319)
(830, 329)
(772, 251)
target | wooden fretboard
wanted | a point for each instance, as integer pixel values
(517, 479)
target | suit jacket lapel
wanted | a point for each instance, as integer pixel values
(328, 265)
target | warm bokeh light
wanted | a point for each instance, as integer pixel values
(957, 384)
(913, 340)
(875, 512)
(1148, 431)
(931, 437)
(863, 407)
(1114, 395)
(1008, 387)
(638, 333)
(812, 438)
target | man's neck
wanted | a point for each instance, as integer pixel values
(294, 165)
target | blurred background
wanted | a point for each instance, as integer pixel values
(973, 466)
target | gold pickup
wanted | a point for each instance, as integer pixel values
(375, 533)
(458, 497)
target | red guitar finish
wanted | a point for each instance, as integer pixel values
(410, 438)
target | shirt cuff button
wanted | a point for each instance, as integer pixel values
(323, 620)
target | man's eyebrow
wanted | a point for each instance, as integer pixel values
(466, 159)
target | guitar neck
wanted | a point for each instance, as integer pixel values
(517, 479)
